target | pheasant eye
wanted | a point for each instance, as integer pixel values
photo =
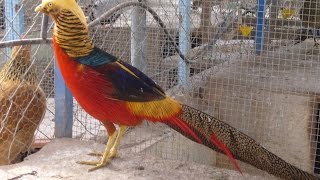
(50, 4)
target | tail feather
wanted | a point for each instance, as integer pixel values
(225, 149)
(221, 137)
(186, 129)
(199, 137)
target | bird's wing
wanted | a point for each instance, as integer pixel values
(128, 83)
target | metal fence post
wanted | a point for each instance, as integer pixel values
(138, 38)
(63, 106)
(14, 21)
(184, 40)
(259, 39)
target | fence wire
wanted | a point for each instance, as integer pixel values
(271, 94)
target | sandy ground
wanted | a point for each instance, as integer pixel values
(57, 160)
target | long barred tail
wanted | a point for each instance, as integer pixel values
(221, 137)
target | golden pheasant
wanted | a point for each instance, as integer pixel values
(22, 105)
(116, 93)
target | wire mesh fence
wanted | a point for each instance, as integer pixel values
(254, 66)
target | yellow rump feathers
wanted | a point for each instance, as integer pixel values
(155, 110)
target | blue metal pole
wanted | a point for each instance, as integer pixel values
(63, 106)
(14, 22)
(184, 41)
(259, 39)
(138, 38)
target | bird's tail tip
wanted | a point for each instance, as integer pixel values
(214, 140)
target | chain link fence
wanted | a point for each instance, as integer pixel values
(254, 66)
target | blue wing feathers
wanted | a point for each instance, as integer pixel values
(97, 57)
(140, 74)
(133, 88)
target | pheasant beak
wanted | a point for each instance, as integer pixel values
(39, 8)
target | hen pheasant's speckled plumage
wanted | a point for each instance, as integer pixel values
(17, 69)
(114, 92)
(22, 105)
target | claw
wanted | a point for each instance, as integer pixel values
(112, 154)
(109, 153)
(91, 163)
(96, 164)
(99, 165)
(95, 154)
(103, 161)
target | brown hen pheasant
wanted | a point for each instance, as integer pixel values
(22, 105)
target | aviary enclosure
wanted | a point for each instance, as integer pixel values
(252, 64)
